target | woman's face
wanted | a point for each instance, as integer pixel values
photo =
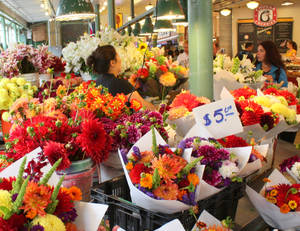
(116, 65)
(261, 53)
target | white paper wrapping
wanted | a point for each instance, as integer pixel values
(141, 199)
(172, 226)
(208, 219)
(184, 124)
(270, 212)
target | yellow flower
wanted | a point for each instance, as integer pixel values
(273, 193)
(167, 79)
(142, 47)
(292, 204)
(4, 82)
(146, 181)
(263, 101)
(178, 112)
(288, 114)
(6, 116)
(272, 200)
(282, 100)
(21, 81)
(13, 80)
(49, 223)
(5, 201)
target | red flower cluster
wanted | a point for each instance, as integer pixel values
(290, 98)
(245, 92)
(233, 142)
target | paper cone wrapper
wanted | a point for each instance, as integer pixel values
(208, 219)
(250, 168)
(171, 226)
(90, 215)
(293, 175)
(198, 130)
(270, 212)
(13, 169)
(141, 199)
(184, 124)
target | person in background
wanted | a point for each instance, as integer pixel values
(106, 64)
(176, 54)
(248, 51)
(269, 60)
(183, 58)
(216, 48)
(292, 50)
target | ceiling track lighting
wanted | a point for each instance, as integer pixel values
(287, 3)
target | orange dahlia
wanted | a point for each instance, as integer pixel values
(168, 191)
(193, 178)
(186, 99)
(135, 105)
(36, 199)
(168, 166)
(146, 181)
(167, 79)
(146, 157)
(178, 112)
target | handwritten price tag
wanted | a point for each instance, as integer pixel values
(220, 118)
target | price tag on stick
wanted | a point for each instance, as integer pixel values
(221, 118)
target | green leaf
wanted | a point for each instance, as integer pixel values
(155, 179)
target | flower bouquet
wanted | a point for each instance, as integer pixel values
(277, 202)
(292, 166)
(76, 54)
(234, 74)
(207, 222)
(30, 202)
(180, 111)
(257, 156)
(220, 166)
(160, 179)
(159, 77)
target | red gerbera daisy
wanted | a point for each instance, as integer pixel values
(245, 93)
(93, 140)
(252, 112)
(290, 98)
(6, 183)
(135, 173)
(54, 151)
(271, 91)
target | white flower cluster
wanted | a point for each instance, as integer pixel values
(234, 69)
(228, 169)
(296, 169)
(76, 54)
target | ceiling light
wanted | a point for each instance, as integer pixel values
(42, 5)
(225, 12)
(149, 7)
(252, 5)
(78, 10)
(287, 3)
(46, 13)
(129, 18)
(168, 10)
(105, 3)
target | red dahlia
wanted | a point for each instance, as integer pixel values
(135, 173)
(6, 183)
(233, 142)
(54, 151)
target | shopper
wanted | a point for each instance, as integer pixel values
(216, 48)
(247, 51)
(183, 58)
(292, 50)
(269, 60)
(106, 64)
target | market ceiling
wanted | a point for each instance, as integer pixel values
(31, 10)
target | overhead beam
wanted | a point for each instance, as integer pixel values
(13, 15)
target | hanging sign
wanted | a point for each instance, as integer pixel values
(265, 16)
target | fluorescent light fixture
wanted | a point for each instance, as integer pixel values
(225, 12)
(252, 5)
(287, 3)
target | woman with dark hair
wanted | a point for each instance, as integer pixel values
(106, 64)
(269, 60)
(292, 50)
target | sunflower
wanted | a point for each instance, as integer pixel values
(143, 47)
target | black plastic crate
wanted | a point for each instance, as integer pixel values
(131, 217)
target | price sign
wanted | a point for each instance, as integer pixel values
(220, 118)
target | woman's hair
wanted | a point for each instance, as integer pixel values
(100, 59)
(272, 54)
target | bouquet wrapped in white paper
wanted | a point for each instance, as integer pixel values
(277, 202)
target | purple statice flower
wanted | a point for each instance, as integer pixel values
(189, 142)
(136, 152)
(134, 134)
(14, 197)
(68, 216)
(211, 154)
(124, 155)
(288, 163)
(37, 228)
(148, 193)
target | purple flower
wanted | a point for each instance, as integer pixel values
(137, 152)
(288, 163)
(212, 177)
(162, 149)
(252, 158)
(133, 134)
(124, 155)
(189, 198)
(148, 193)
(14, 197)
(37, 228)
(68, 216)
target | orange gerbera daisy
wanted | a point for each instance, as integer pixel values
(146, 181)
(75, 193)
(168, 191)
(168, 166)
(193, 178)
(36, 199)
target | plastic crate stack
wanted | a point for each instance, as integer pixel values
(128, 216)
